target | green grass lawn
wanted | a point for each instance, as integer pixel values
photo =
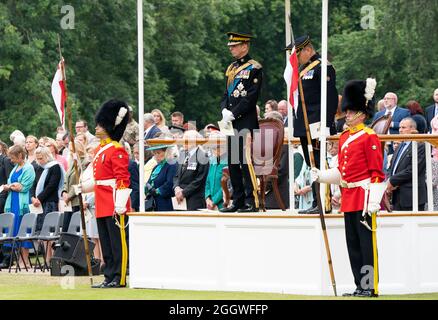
(41, 286)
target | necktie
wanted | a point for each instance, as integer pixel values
(399, 154)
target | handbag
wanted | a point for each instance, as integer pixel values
(149, 204)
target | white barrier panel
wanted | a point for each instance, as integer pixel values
(275, 253)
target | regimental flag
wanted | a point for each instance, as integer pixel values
(291, 75)
(59, 92)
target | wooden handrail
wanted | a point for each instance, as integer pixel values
(431, 138)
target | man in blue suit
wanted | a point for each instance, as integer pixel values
(432, 110)
(150, 129)
(397, 113)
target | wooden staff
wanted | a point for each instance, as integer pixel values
(318, 199)
(75, 165)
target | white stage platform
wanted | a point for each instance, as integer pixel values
(275, 252)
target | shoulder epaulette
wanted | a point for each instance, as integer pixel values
(369, 130)
(255, 64)
(117, 145)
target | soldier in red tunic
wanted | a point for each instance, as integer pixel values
(111, 188)
(360, 176)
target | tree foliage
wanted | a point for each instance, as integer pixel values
(186, 54)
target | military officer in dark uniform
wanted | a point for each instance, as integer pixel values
(310, 74)
(244, 80)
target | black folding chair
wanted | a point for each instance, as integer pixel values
(49, 232)
(25, 232)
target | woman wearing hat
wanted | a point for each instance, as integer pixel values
(159, 188)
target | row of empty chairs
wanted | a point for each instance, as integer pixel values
(50, 231)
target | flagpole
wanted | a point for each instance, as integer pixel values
(140, 100)
(288, 27)
(323, 138)
(76, 158)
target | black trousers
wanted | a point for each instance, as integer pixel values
(243, 190)
(360, 249)
(316, 155)
(112, 246)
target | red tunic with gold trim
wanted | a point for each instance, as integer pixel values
(109, 165)
(359, 158)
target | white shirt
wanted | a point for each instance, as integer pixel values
(390, 112)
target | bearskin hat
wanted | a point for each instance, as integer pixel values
(113, 117)
(359, 96)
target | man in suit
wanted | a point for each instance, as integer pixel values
(432, 110)
(189, 181)
(397, 113)
(244, 80)
(150, 129)
(400, 181)
(150, 132)
(282, 108)
(310, 74)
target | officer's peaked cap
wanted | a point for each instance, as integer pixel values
(113, 117)
(301, 43)
(238, 37)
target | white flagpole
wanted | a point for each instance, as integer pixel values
(289, 113)
(140, 100)
(323, 147)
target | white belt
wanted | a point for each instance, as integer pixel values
(363, 183)
(107, 182)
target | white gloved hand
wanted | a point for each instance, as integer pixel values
(120, 210)
(77, 189)
(373, 207)
(315, 174)
(227, 115)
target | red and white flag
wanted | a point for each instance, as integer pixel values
(291, 75)
(59, 93)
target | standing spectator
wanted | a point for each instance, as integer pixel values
(435, 178)
(177, 119)
(89, 207)
(303, 188)
(150, 127)
(189, 182)
(6, 167)
(271, 105)
(397, 113)
(65, 150)
(51, 144)
(380, 105)
(60, 142)
(31, 145)
(82, 138)
(68, 194)
(136, 153)
(20, 181)
(400, 180)
(432, 110)
(213, 188)
(82, 126)
(160, 120)
(49, 185)
(150, 131)
(134, 179)
(332, 160)
(17, 137)
(417, 114)
(131, 132)
(282, 108)
(160, 183)
(310, 64)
